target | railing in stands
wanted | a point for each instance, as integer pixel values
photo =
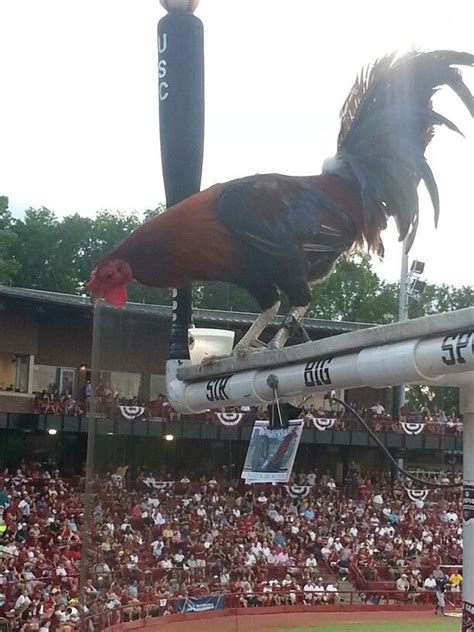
(356, 576)
(250, 602)
(161, 412)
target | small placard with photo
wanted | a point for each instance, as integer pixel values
(271, 453)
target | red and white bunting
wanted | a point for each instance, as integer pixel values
(131, 412)
(412, 427)
(158, 485)
(297, 491)
(229, 419)
(417, 494)
(322, 423)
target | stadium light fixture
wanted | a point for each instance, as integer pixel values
(417, 267)
(416, 288)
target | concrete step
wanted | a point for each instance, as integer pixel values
(347, 586)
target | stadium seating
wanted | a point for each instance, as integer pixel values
(154, 541)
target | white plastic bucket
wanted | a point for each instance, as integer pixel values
(209, 342)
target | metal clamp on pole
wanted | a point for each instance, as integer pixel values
(181, 109)
(279, 414)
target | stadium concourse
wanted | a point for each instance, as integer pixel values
(157, 544)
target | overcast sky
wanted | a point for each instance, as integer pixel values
(79, 113)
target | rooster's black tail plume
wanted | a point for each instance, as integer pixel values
(386, 123)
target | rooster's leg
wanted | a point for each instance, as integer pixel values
(250, 339)
(291, 322)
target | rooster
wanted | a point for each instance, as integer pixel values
(274, 233)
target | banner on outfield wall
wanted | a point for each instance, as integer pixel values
(200, 604)
(468, 503)
(271, 452)
(468, 617)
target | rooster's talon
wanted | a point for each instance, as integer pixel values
(241, 352)
(208, 360)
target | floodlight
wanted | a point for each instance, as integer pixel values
(417, 267)
(417, 287)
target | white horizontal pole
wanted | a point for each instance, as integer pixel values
(446, 359)
(425, 327)
(467, 408)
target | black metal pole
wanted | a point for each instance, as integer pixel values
(181, 108)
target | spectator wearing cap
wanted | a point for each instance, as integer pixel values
(402, 583)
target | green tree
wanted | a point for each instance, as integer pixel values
(149, 213)
(224, 296)
(9, 264)
(441, 298)
(58, 255)
(37, 246)
(75, 239)
(354, 292)
(443, 397)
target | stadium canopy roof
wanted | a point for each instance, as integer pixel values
(42, 302)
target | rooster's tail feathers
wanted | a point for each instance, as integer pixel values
(386, 123)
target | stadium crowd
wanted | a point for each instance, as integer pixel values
(155, 543)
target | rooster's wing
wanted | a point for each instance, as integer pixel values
(291, 230)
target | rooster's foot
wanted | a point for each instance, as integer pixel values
(242, 350)
(208, 360)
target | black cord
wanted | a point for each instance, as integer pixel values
(331, 397)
